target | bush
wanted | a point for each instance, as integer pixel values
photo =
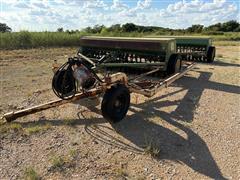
(24, 39)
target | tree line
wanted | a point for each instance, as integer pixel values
(230, 26)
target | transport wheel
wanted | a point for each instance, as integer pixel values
(211, 54)
(115, 103)
(174, 64)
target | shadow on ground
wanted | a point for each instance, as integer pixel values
(221, 62)
(192, 150)
(225, 64)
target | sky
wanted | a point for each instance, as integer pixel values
(48, 15)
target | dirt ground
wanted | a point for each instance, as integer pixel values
(188, 131)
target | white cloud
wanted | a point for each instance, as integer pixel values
(118, 5)
(143, 4)
(132, 12)
(94, 4)
(40, 5)
(21, 5)
(199, 12)
(196, 6)
(76, 14)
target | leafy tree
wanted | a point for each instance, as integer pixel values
(215, 27)
(230, 26)
(4, 28)
(97, 28)
(88, 30)
(129, 27)
(197, 28)
(115, 28)
(60, 29)
(104, 31)
(237, 29)
(146, 29)
(219, 28)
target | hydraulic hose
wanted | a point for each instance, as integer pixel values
(63, 82)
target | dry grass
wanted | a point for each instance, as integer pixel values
(31, 174)
(8, 127)
(73, 153)
(152, 150)
(121, 173)
(151, 147)
(37, 128)
(57, 161)
(17, 127)
(226, 43)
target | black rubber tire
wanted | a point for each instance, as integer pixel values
(115, 103)
(174, 64)
(211, 54)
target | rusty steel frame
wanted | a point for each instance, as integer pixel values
(108, 83)
(161, 84)
(11, 116)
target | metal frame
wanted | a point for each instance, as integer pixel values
(137, 84)
(157, 86)
(129, 52)
(192, 48)
(133, 85)
(10, 116)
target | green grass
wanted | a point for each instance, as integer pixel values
(7, 127)
(153, 150)
(57, 161)
(37, 128)
(60, 162)
(229, 36)
(73, 153)
(25, 39)
(17, 127)
(151, 147)
(31, 174)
